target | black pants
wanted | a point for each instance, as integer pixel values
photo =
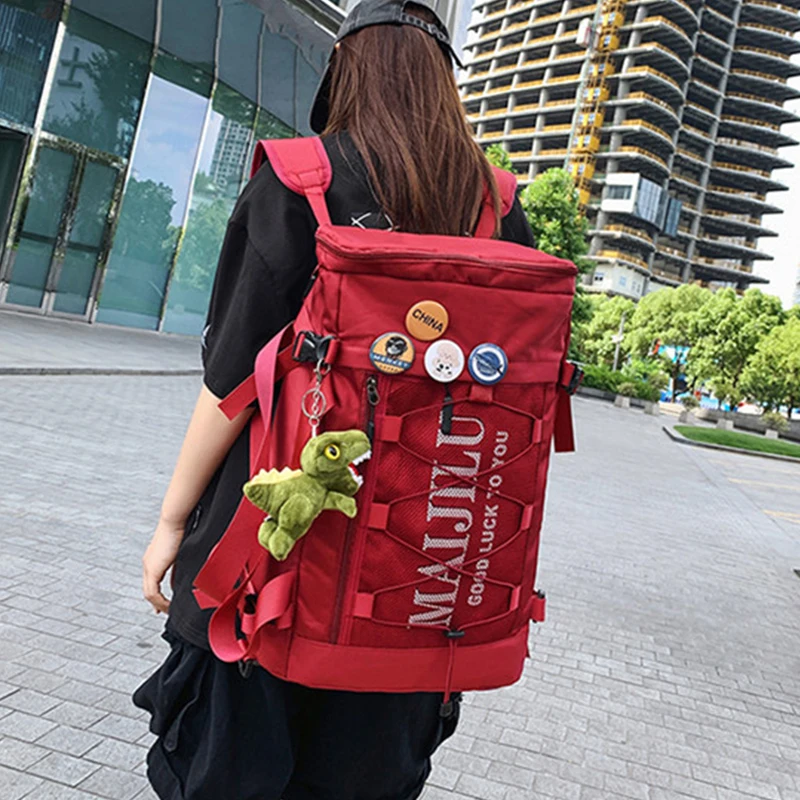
(223, 736)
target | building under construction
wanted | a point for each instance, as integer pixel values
(669, 120)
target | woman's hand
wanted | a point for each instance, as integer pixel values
(209, 439)
(158, 558)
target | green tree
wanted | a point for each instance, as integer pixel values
(498, 156)
(597, 344)
(145, 223)
(559, 227)
(668, 317)
(199, 253)
(772, 376)
(727, 333)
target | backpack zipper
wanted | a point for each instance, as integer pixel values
(519, 267)
(373, 398)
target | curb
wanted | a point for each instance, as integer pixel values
(48, 371)
(681, 439)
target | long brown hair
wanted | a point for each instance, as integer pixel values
(393, 90)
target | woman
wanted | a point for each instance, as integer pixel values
(403, 157)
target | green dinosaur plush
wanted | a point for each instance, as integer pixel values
(293, 499)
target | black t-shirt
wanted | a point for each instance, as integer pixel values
(264, 268)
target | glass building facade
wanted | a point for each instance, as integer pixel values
(126, 135)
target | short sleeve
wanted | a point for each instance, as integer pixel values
(516, 227)
(264, 267)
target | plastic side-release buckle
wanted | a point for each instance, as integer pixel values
(538, 607)
(573, 382)
(311, 348)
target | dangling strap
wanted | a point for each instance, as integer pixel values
(301, 165)
(563, 432)
(507, 186)
(217, 577)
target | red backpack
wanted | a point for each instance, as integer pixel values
(431, 586)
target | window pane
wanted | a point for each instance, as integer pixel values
(154, 204)
(100, 79)
(27, 30)
(40, 227)
(138, 18)
(278, 59)
(85, 238)
(193, 43)
(238, 49)
(223, 161)
(308, 78)
(293, 56)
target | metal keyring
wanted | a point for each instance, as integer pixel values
(315, 410)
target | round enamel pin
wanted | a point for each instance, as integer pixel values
(444, 361)
(427, 320)
(488, 364)
(392, 353)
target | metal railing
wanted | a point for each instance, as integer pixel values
(649, 126)
(756, 74)
(750, 121)
(619, 255)
(664, 21)
(652, 71)
(650, 99)
(739, 168)
(747, 144)
(642, 152)
(755, 98)
(746, 48)
(769, 4)
(630, 231)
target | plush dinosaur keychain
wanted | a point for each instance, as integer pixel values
(293, 499)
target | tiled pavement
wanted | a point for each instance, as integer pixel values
(669, 667)
(30, 342)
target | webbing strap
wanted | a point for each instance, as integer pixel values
(507, 186)
(246, 393)
(273, 603)
(538, 607)
(563, 430)
(240, 542)
(303, 166)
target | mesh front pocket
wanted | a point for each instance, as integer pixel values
(448, 542)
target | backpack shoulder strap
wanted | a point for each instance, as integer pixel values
(507, 186)
(301, 165)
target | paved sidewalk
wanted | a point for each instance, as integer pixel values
(31, 342)
(669, 667)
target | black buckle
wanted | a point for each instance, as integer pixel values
(575, 381)
(455, 634)
(451, 707)
(245, 668)
(311, 348)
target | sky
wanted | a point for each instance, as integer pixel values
(782, 272)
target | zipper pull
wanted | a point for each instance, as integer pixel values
(447, 412)
(373, 398)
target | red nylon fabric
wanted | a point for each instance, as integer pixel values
(432, 586)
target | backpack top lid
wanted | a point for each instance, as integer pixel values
(303, 166)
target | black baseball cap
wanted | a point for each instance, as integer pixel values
(377, 12)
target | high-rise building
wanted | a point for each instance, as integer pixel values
(669, 120)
